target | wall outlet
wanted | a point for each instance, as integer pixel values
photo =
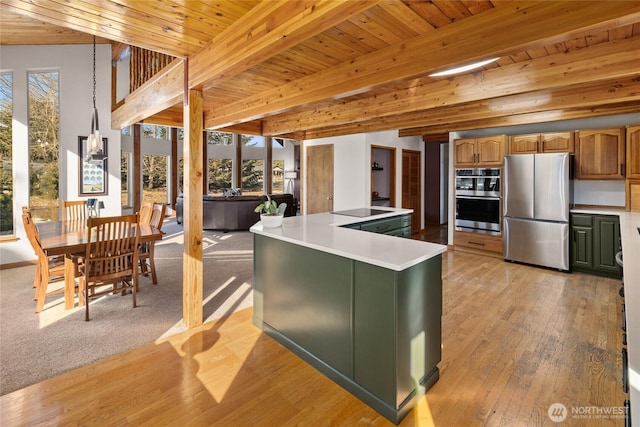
(601, 200)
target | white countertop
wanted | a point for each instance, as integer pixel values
(323, 232)
(629, 221)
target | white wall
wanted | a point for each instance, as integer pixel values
(75, 65)
(352, 166)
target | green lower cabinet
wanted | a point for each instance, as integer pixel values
(374, 331)
(595, 240)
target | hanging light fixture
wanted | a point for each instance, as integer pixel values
(95, 148)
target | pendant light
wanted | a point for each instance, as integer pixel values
(95, 148)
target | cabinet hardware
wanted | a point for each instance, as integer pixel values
(625, 371)
(622, 169)
(476, 243)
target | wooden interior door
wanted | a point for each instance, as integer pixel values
(319, 178)
(411, 187)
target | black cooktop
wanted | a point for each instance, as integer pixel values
(361, 212)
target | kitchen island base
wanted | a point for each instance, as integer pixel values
(373, 330)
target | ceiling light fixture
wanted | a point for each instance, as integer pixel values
(464, 68)
(95, 148)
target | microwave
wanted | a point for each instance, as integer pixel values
(478, 182)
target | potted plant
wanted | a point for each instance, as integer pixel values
(271, 213)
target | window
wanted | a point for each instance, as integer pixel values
(154, 178)
(125, 183)
(219, 138)
(253, 177)
(282, 153)
(44, 102)
(220, 175)
(6, 155)
(157, 132)
(253, 154)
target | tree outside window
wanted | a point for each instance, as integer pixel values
(44, 116)
(154, 178)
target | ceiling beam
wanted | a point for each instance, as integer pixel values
(585, 96)
(511, 27)
(528, 118)
(616, 59)
(162, 91)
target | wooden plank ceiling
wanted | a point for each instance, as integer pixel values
(317, 68)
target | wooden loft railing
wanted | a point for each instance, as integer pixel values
(144, 65)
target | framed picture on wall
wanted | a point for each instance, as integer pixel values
(92, 176)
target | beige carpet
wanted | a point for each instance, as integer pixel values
(34, 347)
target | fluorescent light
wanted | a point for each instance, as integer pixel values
(463, 68)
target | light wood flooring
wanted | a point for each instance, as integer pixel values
(516, 339)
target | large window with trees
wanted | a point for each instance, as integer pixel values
(44, 125)
(6, 155)
(154, 178)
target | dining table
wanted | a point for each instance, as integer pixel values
(69, 238)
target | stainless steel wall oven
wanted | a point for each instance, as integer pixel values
(478, 200)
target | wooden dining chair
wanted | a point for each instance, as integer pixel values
(146, 255)
(146, 210)
(49, 270)
(111, 258)
(74, 209)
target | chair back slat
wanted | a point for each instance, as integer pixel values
(74, 209)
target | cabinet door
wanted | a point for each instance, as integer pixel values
(490, 150)
(523, 144)
(606, 243)
(633, 152)
(464, 152)
(600, 154)
(633, 195)
(582, 247)
(559, 142)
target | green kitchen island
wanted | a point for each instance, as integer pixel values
(363, 308)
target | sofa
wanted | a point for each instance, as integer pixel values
(233, 212)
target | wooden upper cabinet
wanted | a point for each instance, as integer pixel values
(633, 152)
(524, 144)
(464, 152)
(556, 142)
(600, 154)
(485, 151)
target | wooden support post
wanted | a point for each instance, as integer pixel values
(174, 167)
(137, 169)
(193, 186)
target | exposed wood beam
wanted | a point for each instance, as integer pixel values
(523, 119)
(509, 28)
(162, 91)
(616, 59)
(591, 95)
(267, 30)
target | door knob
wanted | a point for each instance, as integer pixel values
(330, 198)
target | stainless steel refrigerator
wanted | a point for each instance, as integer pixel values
(537, 201)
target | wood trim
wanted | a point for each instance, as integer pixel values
(18, 264)
(174, 167)
(137, 168)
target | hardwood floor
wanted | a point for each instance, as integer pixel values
(516, 339)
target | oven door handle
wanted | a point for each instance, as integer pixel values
(477, 197)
